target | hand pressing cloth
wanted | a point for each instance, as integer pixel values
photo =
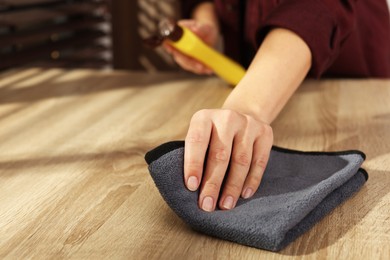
(297, 190)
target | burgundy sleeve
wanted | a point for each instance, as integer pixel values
(322, 24)
(187, 6)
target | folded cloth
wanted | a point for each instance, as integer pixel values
(297, 190)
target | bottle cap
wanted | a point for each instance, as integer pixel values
(170, 30)
(167, 29)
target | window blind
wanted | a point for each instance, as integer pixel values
(55, 33)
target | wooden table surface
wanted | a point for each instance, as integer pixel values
(74, 184)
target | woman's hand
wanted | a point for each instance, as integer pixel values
(239, 135)
(205, 31)
(220, 142)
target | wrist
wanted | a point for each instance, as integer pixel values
(248, 108)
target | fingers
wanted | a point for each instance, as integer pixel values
(261, 151)
(184, 61)
(196, 144)
(206, 32)
(187, 62)
(216, 166)
(239, 167)
(189, 23)
(190, 64)
(219, 140)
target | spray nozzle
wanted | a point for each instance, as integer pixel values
(167, 29)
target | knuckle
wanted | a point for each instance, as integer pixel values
(255, 179)
(219, 155)
(201, 115)
(242, 159)
(261, 162)
(252, 123)
(261, 129)
(228, 117)
(194, 165)
(233, 188)
(266, 130)
(211, 187)
(194, 137)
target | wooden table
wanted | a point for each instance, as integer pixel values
(74, 184)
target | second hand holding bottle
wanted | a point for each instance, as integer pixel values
(190, 44)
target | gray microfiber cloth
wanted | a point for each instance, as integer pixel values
(297, 190)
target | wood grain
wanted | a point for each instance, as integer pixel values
(74, 184)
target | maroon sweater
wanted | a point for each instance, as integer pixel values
(347, 38)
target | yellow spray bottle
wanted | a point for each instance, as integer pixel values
(190, 44)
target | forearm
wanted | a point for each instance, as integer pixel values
(279, 67)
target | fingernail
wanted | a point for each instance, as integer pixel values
(207, 204)
(192, 183)
(247, 193)
(228, 202)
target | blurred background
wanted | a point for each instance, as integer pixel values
(83, 33)
(102, 34)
